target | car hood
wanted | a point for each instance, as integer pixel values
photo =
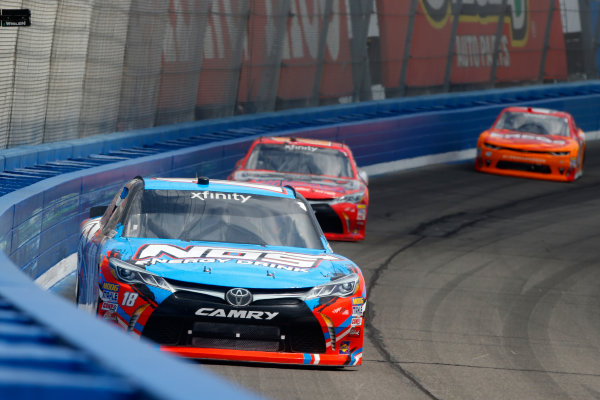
(233, 265)
(312, 187)
(527, 140)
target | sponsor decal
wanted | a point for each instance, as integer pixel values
(356, 321)
(362, 212)
(357, 311)
(354, 332)
(358, 300)
(345, 348)
(527, 159)
(249, 185)
(220, 196)
(241, 314)
(110, 286)
(525, 136)
(150, 254)
(110, 316)
(295, 147)
(109, 307)
(109, 296)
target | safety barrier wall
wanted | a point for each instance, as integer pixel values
(39, 224)
(42, 227)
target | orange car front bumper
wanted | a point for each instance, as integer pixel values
(536, 165)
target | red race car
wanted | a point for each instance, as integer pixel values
(532, 143)
(325, 173)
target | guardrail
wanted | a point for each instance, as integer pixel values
(49, 189)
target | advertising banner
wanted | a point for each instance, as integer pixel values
(223, 45)
(516, 31)
(182, 60)
(318, 34)
(262, 53)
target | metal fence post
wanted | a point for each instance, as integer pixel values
(455, 21)
(314, 99)
(360, 63)
(546, 40)
(407, 45)
(268, 87)
(494, 69)
(587, 39)
(596, 44)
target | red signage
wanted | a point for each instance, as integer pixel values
(520, 46)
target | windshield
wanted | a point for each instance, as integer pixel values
(533, 123)
(221, 217)
(300, 159)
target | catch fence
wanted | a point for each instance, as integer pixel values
(86, 67)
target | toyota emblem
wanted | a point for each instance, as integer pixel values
(238, 297)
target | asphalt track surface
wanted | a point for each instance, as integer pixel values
(480, 287)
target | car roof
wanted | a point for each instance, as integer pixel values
(302, 142)
(216, 185)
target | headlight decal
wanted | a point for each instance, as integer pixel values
(343, 287)
(351, 198)
(129, 273)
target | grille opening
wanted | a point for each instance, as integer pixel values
(166, 331)
(237, 336)
(328, 219)
(306, 338)
(518, 166)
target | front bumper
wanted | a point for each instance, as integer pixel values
(285, 330)
(353, 359)
(536, 165)
(194, 320)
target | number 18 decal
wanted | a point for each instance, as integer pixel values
(129, 299)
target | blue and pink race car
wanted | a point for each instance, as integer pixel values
(222, 270)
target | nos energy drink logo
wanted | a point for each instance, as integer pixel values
(482, 11)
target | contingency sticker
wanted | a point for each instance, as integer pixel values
(109, 296)
(345, 348)
(109, 306)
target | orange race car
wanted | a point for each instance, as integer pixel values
(532, 143)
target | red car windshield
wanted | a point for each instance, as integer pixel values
(533, 123)
(300, 159)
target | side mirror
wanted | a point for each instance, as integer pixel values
(97, 211)
(363, 175)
